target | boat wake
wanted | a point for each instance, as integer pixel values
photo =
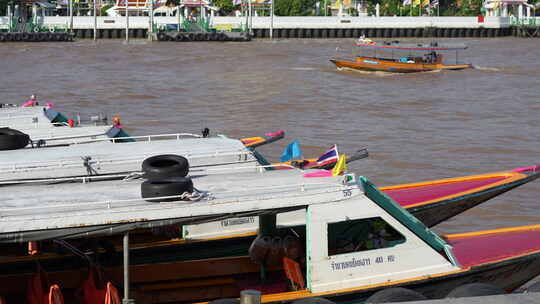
(303, 69)
(477, 67)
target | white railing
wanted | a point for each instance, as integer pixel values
(101, 160)
(143, 22)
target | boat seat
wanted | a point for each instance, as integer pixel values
(275, 282)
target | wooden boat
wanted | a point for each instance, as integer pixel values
(47, 127)
(430, 61)
(432, 202)
(101, 158)
(351, 253)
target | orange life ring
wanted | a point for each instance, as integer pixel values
(55, 295)
(112, 296)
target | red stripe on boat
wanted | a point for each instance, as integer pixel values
(481, 249)
(410, 196)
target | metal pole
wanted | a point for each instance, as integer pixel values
(250, 17)
(71, 16)
(272, 20)
(95, 20)
(10, 17)
(127, 20)
(126, 299)
(151, 18)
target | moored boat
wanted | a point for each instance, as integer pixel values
(431, 60)
(432, 202)
(342, 253)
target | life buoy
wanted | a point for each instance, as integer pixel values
(112, 296)
(36, 291)
(55, 295)
(93, 289)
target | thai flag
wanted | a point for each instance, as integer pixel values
(329, 156)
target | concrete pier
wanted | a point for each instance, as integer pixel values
(307, 27)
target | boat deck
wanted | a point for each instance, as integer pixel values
(109, 158)
(80, 205)
(489, 246)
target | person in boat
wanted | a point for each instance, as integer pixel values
(31, 102)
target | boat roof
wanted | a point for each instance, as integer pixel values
(106, 157)
(54, 135)
(396, 45)
(81, 209)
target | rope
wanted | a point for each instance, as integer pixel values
(133, 176)
(88, 165)
(74, 250)
(194, 196)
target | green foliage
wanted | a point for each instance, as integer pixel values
(104, 9)
(225, 6)
(294, 7)
(3, 7)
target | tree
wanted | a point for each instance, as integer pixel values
(225, 6)
(3, 7)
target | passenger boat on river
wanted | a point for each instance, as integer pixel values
(403, 63)
(342, 252)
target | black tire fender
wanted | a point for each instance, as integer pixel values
(314, 300)
(2, 37)
(165, 166)
(475, 290)
(11, 139)
(164, 188)
(17, 37)
(179, 37)
(25, 36)
(396, 294)
(161, 36)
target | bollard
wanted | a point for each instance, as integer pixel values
(250, 296)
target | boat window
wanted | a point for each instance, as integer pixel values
(361, 235)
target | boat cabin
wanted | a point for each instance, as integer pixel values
(353, 238)
(407, 53)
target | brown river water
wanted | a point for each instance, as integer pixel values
(417, 126)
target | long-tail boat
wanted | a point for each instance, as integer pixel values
(398, 57)
(343, 253)
(432, 202)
